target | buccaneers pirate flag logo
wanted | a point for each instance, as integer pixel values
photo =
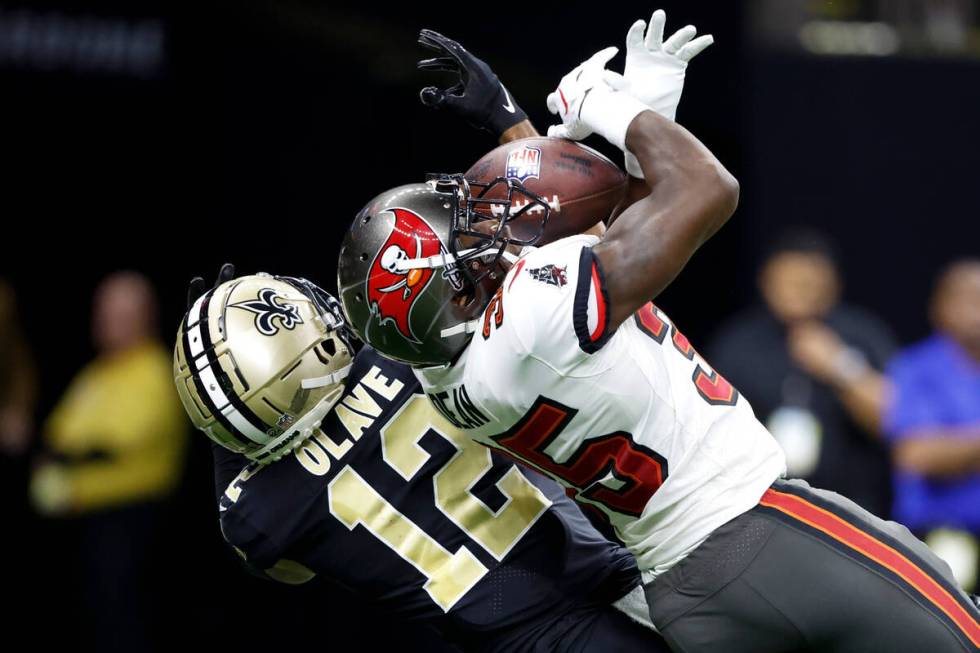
(393, 291)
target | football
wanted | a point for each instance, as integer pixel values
(581, 185)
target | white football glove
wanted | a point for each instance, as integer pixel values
(586, 102)
(655, 68)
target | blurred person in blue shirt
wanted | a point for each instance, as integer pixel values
(933, 420)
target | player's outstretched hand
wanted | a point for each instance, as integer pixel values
(197, 287)
(478, 96)
(588, 99)
(655, 68)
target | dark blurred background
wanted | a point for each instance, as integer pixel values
(168, 139)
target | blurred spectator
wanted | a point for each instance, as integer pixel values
(934, 423)
(18, 382)
(114, 450)
(808, 363)
(18, 390)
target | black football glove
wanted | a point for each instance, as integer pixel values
(478, 97)
(197, 286)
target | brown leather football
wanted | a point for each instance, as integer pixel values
(582, 186)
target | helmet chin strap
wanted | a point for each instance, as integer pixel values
(462, 327)
(299, 432)
(443, 260)
(329, 379)
(473, 325)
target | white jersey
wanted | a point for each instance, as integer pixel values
(634, 422)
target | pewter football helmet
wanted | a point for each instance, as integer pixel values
(259, 362)
(420, 263)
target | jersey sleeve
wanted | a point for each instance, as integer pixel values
(258, 550)
(227, 465)
(264, 511)
(557, 302)
(590, 308)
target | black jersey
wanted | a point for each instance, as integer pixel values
(396, 504)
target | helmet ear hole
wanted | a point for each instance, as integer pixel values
(321, 356)
(329, 347)
(465, 297)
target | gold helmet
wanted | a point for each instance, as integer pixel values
(259, 362)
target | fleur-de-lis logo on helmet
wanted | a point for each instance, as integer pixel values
(267, 308)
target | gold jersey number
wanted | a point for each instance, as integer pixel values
(449, 574)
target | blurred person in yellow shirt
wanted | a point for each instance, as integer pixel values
(118, 434)
(113, 451)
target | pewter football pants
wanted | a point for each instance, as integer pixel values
(809, 570)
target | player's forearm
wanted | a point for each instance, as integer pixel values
(943, 453)
(691, 195)
(523, 129)
(678, 165)
(636, 190)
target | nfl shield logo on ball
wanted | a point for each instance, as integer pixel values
(524, 163)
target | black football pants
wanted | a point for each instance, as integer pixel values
(809, 570)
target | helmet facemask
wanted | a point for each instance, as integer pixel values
(481, 245)
(332, 316)
(483, 223)
(330, 310)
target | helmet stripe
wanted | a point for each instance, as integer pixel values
(246, 421)
(193, 348)
(221, 400)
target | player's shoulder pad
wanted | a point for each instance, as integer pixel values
(558, 298)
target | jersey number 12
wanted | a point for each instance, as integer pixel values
(449, 574)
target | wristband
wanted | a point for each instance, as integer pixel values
(504, 113)
(609, 114)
